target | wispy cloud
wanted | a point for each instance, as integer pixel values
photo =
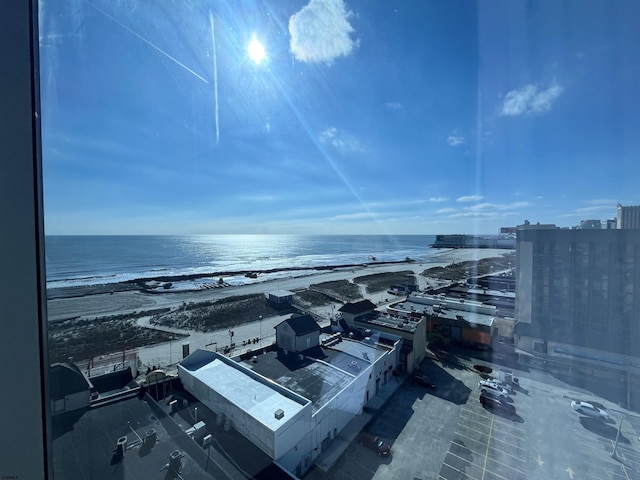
(343, 141)
(438, 199)
(529, 100)
(454, 141)
(483, 214)
(598, 208)
(470, 198)
(393, 105)
(321, 32)
(498, 206)
(602, 201)
(446, 210)
(354, 216)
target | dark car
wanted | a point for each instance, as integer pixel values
(491, 403)
(374, 443)
(422, 380)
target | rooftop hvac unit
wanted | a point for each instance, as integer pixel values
(150, 438)
(175, 460)
(121, 445)
(279, 414)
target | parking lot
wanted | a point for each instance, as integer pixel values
(486, 445)
(446, 434)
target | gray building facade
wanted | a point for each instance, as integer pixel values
(578, 292)
(628, 217)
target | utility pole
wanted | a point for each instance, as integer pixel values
(614, 454)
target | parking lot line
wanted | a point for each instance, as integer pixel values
(473, 429)
(508, 466)
(521, 460)
(470, 413)
(494, 447)
(466, 475)
(510, 425)
(474, 421)
(484, 468)
(506, 442)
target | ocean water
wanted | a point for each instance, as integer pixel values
(90, 260)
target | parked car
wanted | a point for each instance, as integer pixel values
(492, 389)
(491, 403)
(375, 443)
(502, 385)
(589, 410)
(483, 369)
(422, 380)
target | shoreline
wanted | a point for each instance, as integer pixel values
(99, 301)
(141, 284)
(97, 306)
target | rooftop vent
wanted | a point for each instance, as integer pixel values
(279, 414)
(175, 460)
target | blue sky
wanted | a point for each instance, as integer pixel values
(361, 117)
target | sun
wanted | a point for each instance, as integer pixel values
(256, 51)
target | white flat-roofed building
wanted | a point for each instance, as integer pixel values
(290, 405)
(272, 417)
(383, 359)
(452, 303)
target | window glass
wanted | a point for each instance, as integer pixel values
(368, 174)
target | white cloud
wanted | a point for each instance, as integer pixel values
(498, 206)
(321, 32)
(446, 210)
(475, 214)
(529, 100)
(354, 216)
(600, 201)
(393, 105)
(470, 198)
(454, 141)
(438, 199)
(343, 141)
(598, 208)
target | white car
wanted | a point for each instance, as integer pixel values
(589, 410)
(492, 389)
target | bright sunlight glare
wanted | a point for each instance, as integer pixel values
(256, 51)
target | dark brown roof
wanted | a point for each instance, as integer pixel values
(301, 324)
(363, 306)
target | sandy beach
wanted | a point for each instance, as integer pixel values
(167, 353)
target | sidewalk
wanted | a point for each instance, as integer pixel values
(341, 442)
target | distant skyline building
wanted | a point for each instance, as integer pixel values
(590, 225)
(578, 293)
(628, 216)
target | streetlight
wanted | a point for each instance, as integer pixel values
(260, 337)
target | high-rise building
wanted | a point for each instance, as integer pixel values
(628, 217)
(578, 292)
